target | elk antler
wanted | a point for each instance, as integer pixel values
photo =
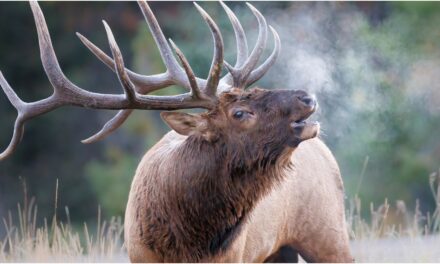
(243, 73)
(202, 93)
(67, 93)
(146, 84)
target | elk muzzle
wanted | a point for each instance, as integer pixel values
(302, 129)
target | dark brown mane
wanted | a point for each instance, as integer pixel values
(214, 194)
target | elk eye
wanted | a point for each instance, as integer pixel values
(238, 114)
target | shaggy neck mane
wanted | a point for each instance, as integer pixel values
(206, 197)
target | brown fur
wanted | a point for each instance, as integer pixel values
(212, 195)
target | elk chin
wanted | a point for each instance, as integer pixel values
(302, 131)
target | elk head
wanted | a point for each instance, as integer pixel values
(269, 119)
(258, 117)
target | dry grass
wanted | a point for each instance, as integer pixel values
(57, 241)
(398, 249)
(393, 234)
(388, 221)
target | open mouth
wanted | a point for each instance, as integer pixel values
(304, 129)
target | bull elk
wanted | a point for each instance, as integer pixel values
(246, 181)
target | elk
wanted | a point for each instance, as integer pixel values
(246, 181)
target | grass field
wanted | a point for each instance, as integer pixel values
(401, 249)
(391, 234)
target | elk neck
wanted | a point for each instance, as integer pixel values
(208, 194)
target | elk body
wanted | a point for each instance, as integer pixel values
(246, 181)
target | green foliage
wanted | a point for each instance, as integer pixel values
(111, 179)
(398, 133)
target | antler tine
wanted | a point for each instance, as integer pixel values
(109, 127)
(120, 68)
(242, 46)
(165, 51)
(47, 53)
(19, 122)
(189, 72)
(240, 36)
(10, 94)
(217, 61)
(241, 74)
(144, 84)
(16, 138)
(263, 68)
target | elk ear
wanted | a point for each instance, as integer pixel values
(185, 124)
